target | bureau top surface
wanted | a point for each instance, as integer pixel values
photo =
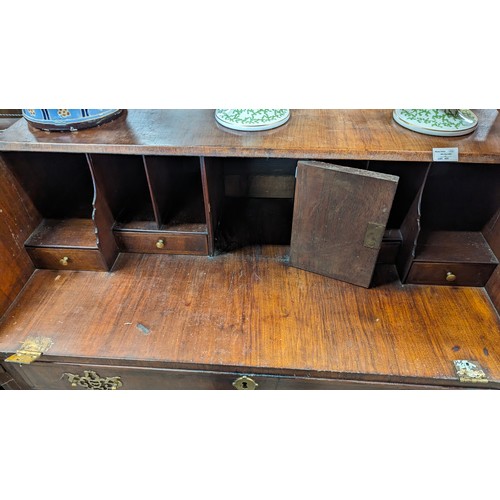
(309, 134)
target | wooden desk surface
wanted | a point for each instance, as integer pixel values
(309, 134)
(250, 311)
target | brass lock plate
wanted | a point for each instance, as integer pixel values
(245, 384)
(91, 380)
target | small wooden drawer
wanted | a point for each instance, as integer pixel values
(168, 243)
(68, 259)
(451, 274)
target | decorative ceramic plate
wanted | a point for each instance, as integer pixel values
(252, 119)
(436, 121)
(69, 119)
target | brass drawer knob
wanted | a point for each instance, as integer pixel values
(64, 261)
(245, 384)
(160, 243)
(450, 276)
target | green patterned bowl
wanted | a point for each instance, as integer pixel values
(252, 119)
(440, 122)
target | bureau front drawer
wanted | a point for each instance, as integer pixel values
(62, 376)
(451, 274)
(41, 375)
(168, 243)
(70, 259)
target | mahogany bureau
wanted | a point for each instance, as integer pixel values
(163, 251)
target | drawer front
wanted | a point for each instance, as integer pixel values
(62, 376)
(302, 384)
(83, 377)
(427, 273)
(6, 380)
(68, 259)
(167, 243)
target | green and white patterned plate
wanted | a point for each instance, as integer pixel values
(437, 121)
(252, 119)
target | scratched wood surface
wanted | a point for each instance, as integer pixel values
(309, 134)
(250, 310)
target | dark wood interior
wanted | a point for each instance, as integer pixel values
(61, 186)
(125, 186)
(177, 188)
(205, 240)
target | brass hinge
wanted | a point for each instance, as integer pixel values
(373, 235)
(469, 371)
(31, 349)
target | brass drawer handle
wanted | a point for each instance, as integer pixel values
(450, 276)
(64, 261)
(160, 243)
(91, 380)
(245, 384)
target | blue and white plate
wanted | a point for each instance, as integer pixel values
(69, 119)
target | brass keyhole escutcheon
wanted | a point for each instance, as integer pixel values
(450, 276)
(160, 243)
(245, 384)
(64, 261)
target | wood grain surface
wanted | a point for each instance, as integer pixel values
(493, 288)
(454, 246)
(309, 134)
(492, 235)
(18, 218)
(74, 233)
(249, 310)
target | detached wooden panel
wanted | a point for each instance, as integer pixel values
(339, 220)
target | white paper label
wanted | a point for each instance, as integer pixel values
(444, 154)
